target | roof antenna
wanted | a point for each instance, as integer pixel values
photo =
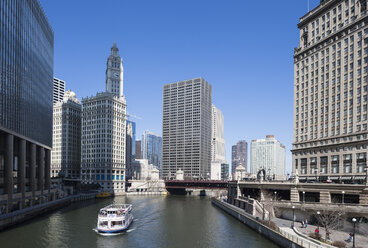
(308, 5)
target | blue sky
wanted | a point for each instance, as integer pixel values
(243, 48)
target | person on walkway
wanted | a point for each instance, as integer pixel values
(302, 223)
(316, 231)
(350, 238)
(306, 223)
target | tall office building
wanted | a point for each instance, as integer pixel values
(26, 74)
(330, 93)
(103, 137)
(66, 139)
(268, 154)
(128, 149)
(59, 90)
(152, 148)
(186, 131)
(114, 72)
(133, 137)
(239, 155)
(217, 141)
(138, 149)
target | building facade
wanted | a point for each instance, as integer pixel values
(152, 148)
(138, 149)
(103, 141)
(59, 90)
(330, 93)
(128, 150)
(224, 172)
(268, 154)
(186, 131)
(26, 86)
(104, 131)
(239, 155)
(217, 140)
(66, 140)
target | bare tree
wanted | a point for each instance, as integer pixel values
(270, 201)
(329, 220)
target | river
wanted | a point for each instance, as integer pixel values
(159, 221)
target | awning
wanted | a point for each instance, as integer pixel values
(312, 178)
(302, 178)
(334, 178)
(346, 178)
(359, 177)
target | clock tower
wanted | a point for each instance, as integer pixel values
(114, 72)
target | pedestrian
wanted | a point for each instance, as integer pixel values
(302, 223)
(350, 238)
(316, 231)
(306, 223)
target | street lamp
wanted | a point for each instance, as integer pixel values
(343, 193)
(354, 221)
(293, 215)
(318, 213)
(275, 194)
(303, 196)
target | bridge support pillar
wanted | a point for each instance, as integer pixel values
(294, 195)
(325, 197)
(238, 191)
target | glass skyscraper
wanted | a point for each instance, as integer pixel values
(26, 91)
(152, 148)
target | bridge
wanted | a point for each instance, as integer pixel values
(184, 187)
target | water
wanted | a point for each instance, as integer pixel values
(172, 221)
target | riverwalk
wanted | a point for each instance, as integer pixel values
(282, 234)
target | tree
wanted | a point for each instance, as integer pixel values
(328, 219)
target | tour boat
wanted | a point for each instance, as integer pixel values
(114, 218)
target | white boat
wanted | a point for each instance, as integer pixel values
(114, 218)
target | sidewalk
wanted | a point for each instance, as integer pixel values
(360, 241)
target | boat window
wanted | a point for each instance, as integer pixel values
(116, 223)
(103, 223)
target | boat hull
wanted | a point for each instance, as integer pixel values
(118, 230)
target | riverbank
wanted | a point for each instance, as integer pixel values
(16, 217)
(281, 235)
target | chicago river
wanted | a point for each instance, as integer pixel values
(172, 221)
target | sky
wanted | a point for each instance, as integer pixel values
(243, 48)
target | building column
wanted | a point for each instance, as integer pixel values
(8, 169)
(41, 169)
(22, 170)
(324, 197)
(47, 169)
(294, 195)
(32, 171)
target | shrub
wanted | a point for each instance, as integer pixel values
(339, 244)
(315, 236)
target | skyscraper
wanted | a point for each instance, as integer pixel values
(104, 134)
(59, 90)
(66, 141)
(217, 141)
(128, 149)
(152, 148)
(330, 93)
(239, 155)
(26, 87)
(114, 73)
(186, 130)
(138, 149)
(268, 154)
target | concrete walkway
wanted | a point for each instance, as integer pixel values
(360, 241)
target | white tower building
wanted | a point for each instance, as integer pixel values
(114, 72)
(104, 131)
(217, 141)
(268, 154)
(66, 139)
